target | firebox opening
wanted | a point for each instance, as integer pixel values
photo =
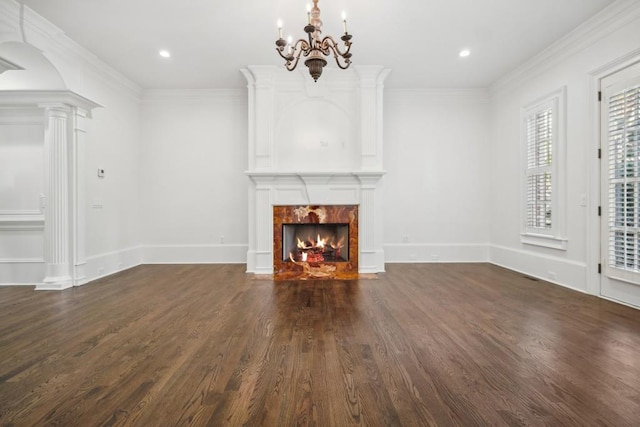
(315, 242)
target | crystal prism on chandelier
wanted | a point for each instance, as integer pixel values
(317, 47)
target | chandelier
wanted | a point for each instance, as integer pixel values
(317, 47)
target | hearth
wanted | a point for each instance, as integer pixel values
(315, 242)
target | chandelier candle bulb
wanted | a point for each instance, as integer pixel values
(344, 21)
(279, 29)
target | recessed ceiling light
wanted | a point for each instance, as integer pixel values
(164, 53)
(464, 53)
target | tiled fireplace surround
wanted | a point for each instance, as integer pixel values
(315, 144)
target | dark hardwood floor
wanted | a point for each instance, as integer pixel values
(424, 344)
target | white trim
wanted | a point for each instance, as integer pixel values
(21, 220)
(190, 95)
(560, 271)
(108, 263)
(544, 241)
(617, 301)
(44, 98)
(21, 271)
(18, 284)
(21, 260)
(444, 252)
(195, 254)
(442, 96)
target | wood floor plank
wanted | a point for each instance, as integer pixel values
(423, 344)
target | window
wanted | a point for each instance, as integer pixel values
(543, 187)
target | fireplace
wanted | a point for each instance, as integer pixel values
(315, 242)
(315, 146)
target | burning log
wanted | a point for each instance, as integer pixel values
(322, 270)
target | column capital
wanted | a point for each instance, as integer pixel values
(56, 109)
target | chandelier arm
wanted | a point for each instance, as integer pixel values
(337, 56)
(330, 41)
(291, 60)
(291, 65)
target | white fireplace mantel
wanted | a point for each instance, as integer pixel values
(315, 144)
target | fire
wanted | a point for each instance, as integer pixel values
(317, 249)
(319, 243)
(338, 245)
(301, 244)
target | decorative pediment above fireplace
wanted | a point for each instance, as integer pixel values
(315, 144)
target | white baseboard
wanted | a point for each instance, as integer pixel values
(21, 272)
(102, 265)
(560, 271)
(195, 254)
(557, 270)
(421, 253)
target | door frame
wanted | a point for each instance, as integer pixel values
(594, 236)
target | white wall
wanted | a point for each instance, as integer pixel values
(113, 238)
(571, 63)
(113, 202)
(436, 154)
(192, 164)
(21, 185)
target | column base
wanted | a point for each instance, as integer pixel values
(55, 283)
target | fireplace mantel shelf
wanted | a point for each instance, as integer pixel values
(320, 174)
(314, 177)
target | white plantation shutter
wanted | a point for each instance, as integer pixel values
(544, 169)
(623, 180)
(539, 173)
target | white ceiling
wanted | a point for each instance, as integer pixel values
(210, 40)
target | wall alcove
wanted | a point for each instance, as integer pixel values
(42, 159)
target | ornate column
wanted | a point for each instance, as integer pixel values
(65, 115)
(57, 233)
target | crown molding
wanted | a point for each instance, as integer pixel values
(31, 98)
(47, 37)
(193, 95)
(442, 95)
(607, 21)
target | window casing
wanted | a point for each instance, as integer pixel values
(543, 144)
